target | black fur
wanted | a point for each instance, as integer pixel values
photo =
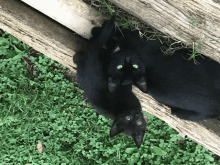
(129, 46)
(123, 46)
(191, 91)
(120, 105)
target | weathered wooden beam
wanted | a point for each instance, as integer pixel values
(38, 31)
(73, 14)
(190, 21)
(60, 44)
(195, 22)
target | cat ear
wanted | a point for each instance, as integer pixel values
(115, 130)
(138, 138)
(116, 49)
(142, 84)
(112, 86)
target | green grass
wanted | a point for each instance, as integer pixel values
(39, 104)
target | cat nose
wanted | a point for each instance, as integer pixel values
(128, 59)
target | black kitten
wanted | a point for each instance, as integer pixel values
(121, 105)
(191, 91)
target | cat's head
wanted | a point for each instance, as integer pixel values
(130, 123)
(126, 68)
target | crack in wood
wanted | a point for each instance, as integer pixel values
(148, 5)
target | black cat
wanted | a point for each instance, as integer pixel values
(191, 91)
(121, 105)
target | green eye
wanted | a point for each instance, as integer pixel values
(135, 66)
(119, 66)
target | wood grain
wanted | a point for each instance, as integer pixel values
(191, 21)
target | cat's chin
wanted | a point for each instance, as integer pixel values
(127, 82)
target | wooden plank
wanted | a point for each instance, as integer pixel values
(60, 44)
(195, 22)
(205, 133)
(73, 14)
(190, 21)
(39, 32)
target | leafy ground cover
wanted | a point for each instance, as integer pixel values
(38, 104)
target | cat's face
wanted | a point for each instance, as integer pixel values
(132, 124)
(126, 68)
